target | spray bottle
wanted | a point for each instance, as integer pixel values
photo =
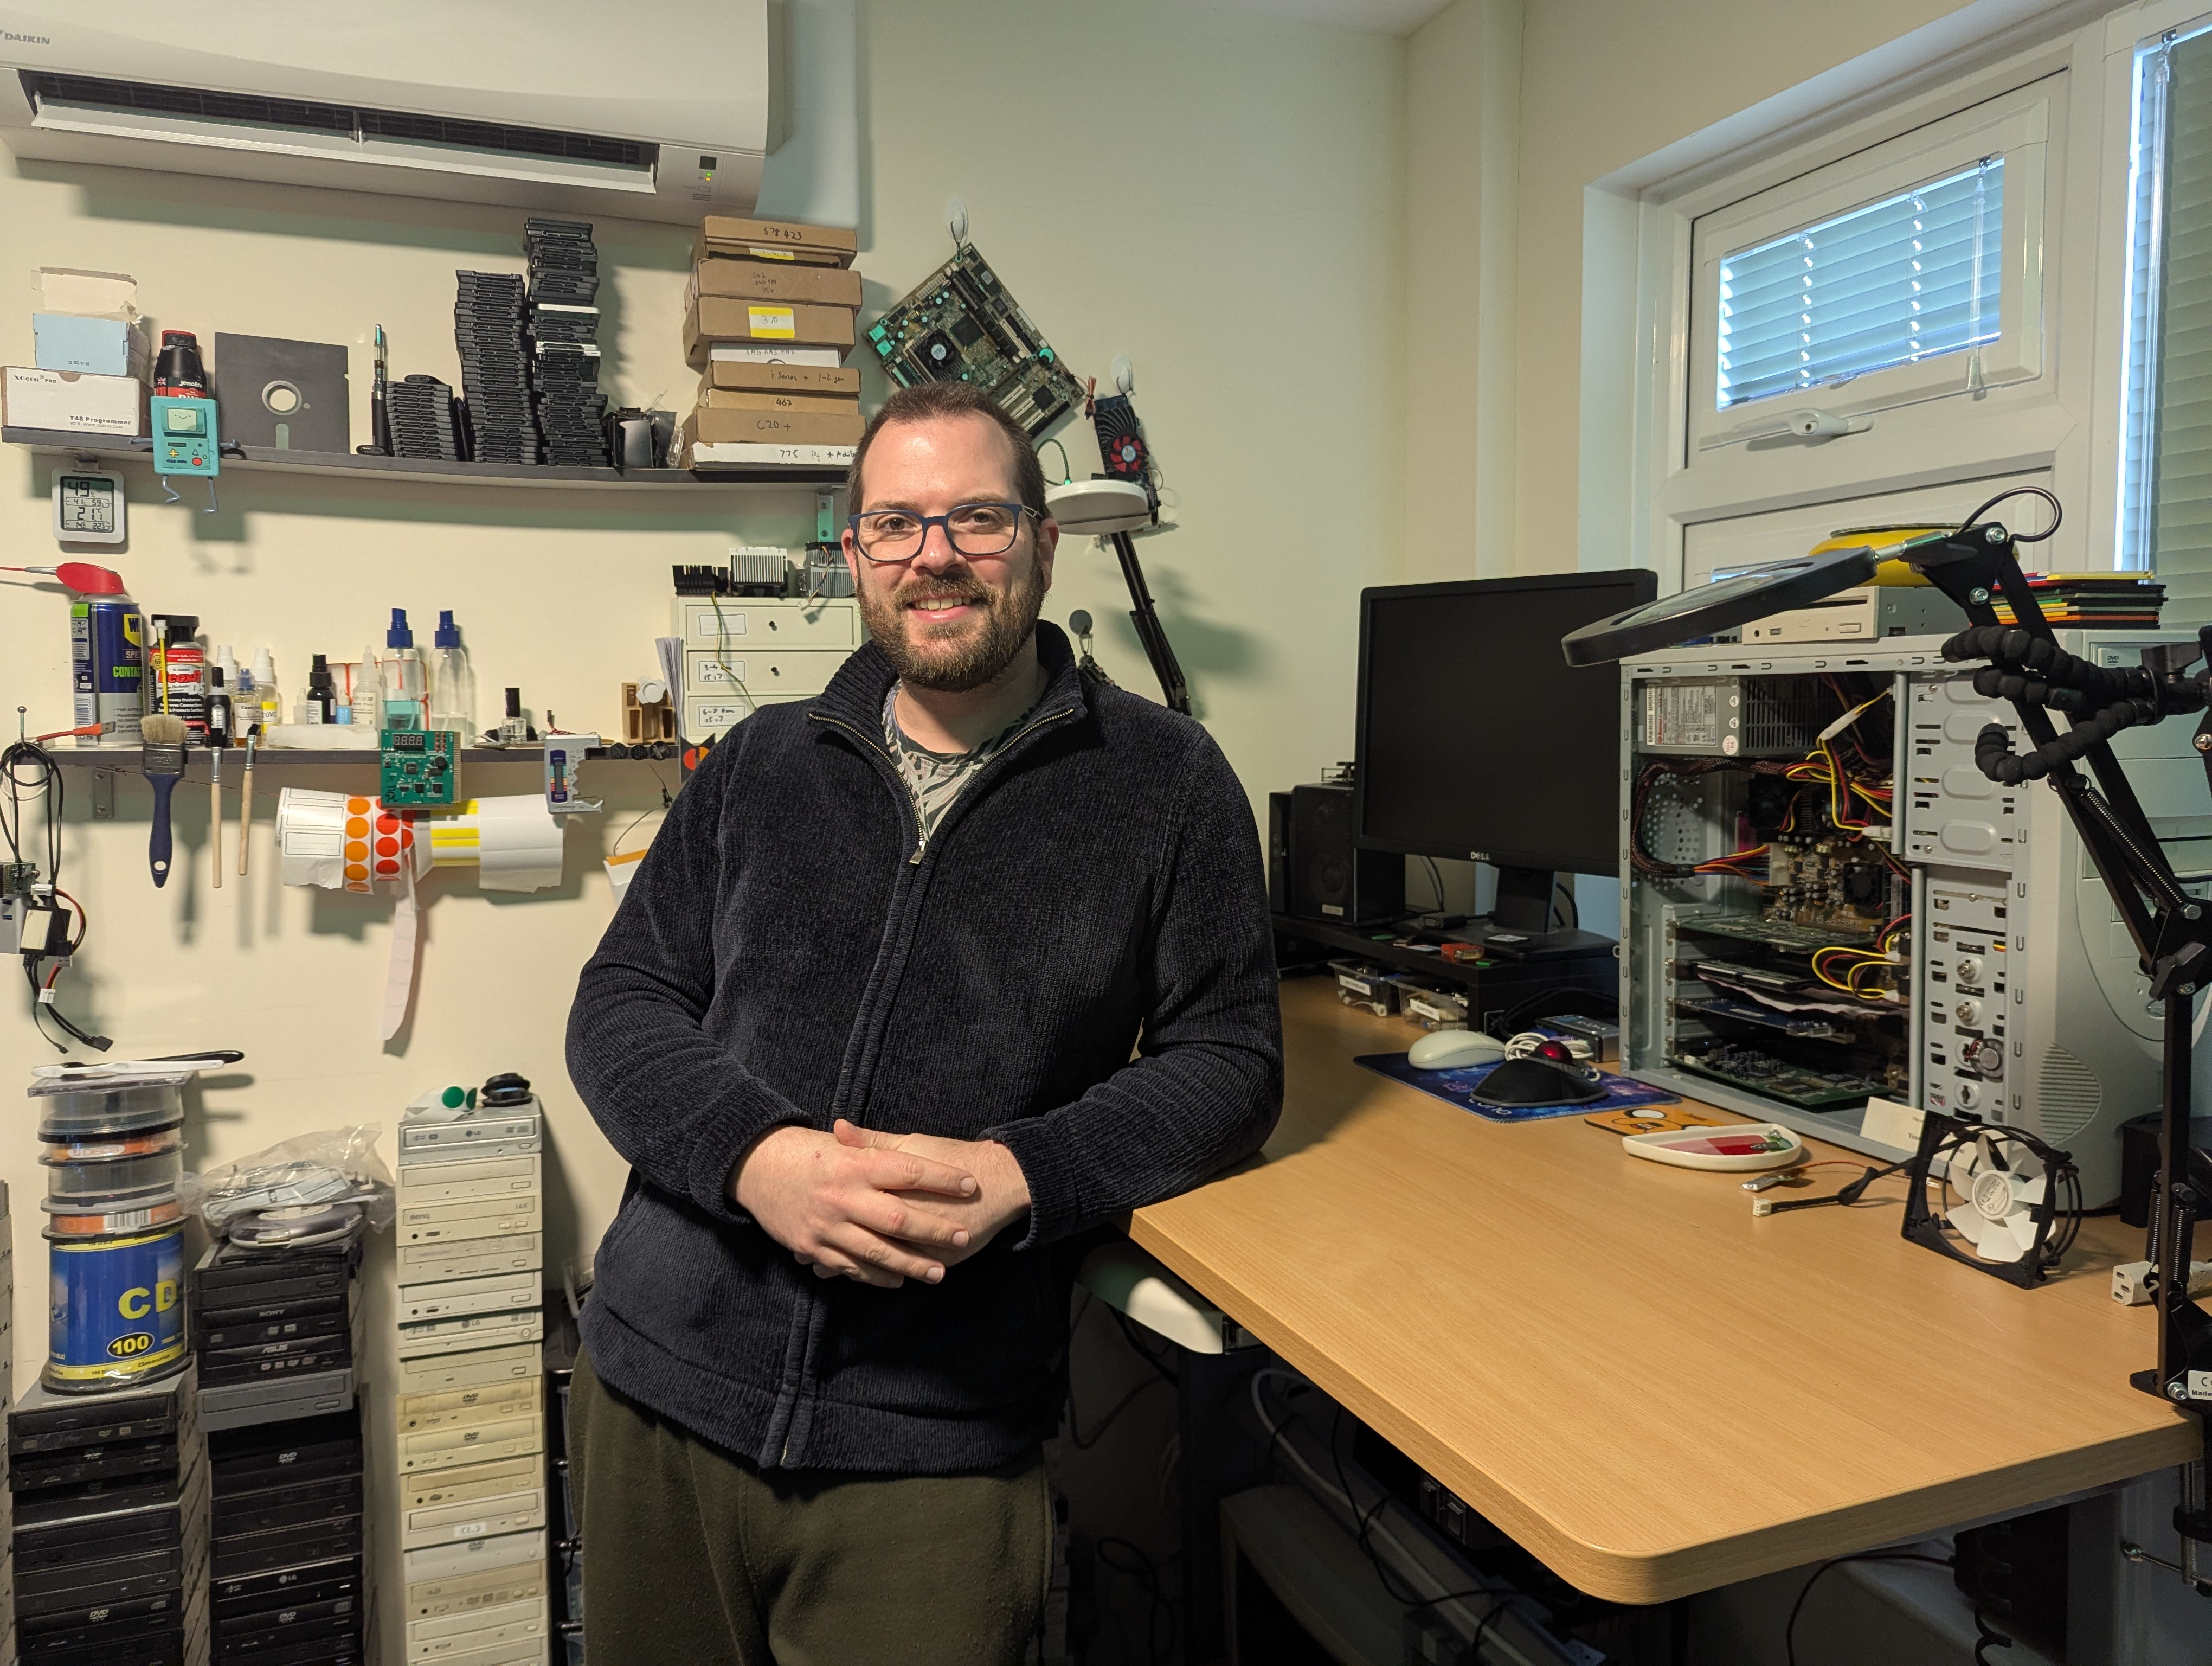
(453, 681)
(406, 688)
(107, 652)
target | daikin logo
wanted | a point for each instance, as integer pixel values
(26, 40)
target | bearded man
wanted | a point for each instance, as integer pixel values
(922, 983)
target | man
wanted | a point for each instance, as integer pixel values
(864, 1030)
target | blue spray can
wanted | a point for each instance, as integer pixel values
(107, 655)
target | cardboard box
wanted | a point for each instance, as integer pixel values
(827, 404)
(782, 378)
(97, 346)
(711, 318)
(777, 240)
(712, 427)
(764, 280)
(71, 400)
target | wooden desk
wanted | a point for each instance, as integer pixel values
(1567, 1336)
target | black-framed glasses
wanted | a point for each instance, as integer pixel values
(972, 529)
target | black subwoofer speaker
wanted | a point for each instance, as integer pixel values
(1331, 880)
(1278, 852)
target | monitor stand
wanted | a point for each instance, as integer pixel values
(1523, 923)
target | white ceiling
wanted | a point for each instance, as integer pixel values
(1387, 17)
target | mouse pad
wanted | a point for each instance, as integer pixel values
(1456, 1086)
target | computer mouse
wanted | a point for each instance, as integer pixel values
(1452, 1049)
(1521, 1084)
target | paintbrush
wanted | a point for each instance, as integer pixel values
(163, 765)
(214, 811)
(245, 798)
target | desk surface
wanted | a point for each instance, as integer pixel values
(1569, 1337)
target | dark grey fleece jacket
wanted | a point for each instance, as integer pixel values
(785, 955)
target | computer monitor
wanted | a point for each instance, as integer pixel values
(1477, 740)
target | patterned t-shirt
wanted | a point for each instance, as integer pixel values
(933, 780)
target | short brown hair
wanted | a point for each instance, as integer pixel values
(935, 401)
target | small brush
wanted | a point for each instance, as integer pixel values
(246, 800)
(163, 765)
(214, 811)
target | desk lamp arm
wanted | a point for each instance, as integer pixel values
(2172, 931)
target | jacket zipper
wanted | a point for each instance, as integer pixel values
(921, 844)
(907, 809)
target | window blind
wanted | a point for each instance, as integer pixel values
(2167, 491)
(1893, 282)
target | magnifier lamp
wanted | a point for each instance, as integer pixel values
(1112, 509)
(2172, 931)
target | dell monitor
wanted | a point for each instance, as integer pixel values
(1477, 740)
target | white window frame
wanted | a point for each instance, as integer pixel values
(2015, 125)
(2059, 421)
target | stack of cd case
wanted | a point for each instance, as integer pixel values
(290, 1544)
(500, 427)
(108, 1540)
(564, 353)
(470, 1414)
(278, 1331)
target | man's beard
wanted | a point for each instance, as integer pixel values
(976, 656)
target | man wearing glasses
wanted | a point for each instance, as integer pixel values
(923, 986)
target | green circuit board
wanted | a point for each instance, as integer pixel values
(960, 324)
(418, 767)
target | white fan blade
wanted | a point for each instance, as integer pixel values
(1968, 1222)
(1999, 1246)
(2022, 1227)
(2032, 1191)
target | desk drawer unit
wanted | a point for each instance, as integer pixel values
(762, 672)
(734, 622)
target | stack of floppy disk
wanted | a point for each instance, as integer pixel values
(471, 1411)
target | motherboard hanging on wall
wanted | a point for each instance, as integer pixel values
(960, 324)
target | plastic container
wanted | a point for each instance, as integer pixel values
(116, 1310)
(121, 1145)
(453, 681)
(136, 1105)
(107, 1181)
(406, 687)
(139, 1216)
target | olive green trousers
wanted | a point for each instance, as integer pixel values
(694, 1555)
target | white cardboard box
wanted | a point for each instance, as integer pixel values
(73, 401)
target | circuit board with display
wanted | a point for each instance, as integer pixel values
(961, 323)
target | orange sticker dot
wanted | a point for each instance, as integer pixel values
(357, 807)
(357, 827)
(355, 871)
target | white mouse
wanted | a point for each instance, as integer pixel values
(1451, 1049)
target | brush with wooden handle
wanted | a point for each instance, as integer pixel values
(163, 765)
(245, 801)
(215, 810)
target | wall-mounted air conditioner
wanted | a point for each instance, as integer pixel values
(659, 112)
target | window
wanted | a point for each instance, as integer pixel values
(1895, 282)
(2166, 470)
(1908, 272)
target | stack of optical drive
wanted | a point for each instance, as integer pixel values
(290, 1547)
(471, 1412)
(109, 1539)
(277, 1329)
(564, 355)
(494, 383)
